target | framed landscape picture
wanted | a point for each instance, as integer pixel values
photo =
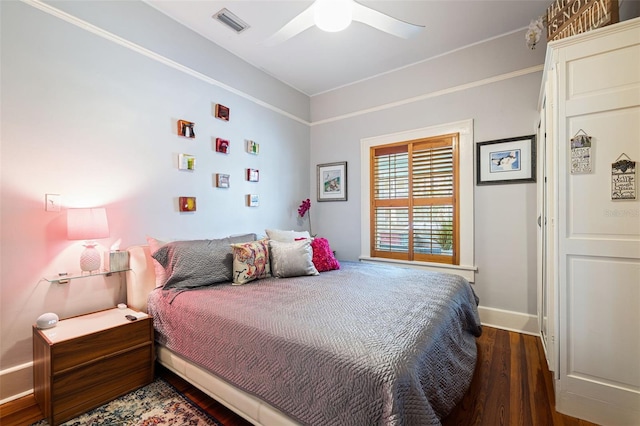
(511, 160)
(332, 181)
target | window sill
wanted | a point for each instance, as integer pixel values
(467, 272)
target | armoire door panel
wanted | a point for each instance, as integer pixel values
(603, 313)
(591, 76)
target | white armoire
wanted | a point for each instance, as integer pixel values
(589, 223)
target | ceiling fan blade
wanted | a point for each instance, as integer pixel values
(384, 22)
(294, 27)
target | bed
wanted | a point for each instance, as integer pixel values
(361, 345)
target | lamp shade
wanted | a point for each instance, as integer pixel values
(87, 224)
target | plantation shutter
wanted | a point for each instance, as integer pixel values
(414, 215)
(391, 187)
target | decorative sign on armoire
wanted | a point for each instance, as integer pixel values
(570, 17)
(623, 178)
(581, 155)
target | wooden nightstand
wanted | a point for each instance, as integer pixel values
(89, 360)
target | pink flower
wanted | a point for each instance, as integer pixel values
(304, 207)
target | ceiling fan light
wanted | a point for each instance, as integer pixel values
(333, 15)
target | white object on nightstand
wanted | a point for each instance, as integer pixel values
(47, 320)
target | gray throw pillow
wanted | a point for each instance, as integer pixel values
(196, 263)
(291, 259)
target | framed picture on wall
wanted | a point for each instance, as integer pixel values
(253, 175)
(332, 181)
(222, 112)
(253, 147)
(253, 200)
(187, 204)
(511, 160)
(186, 162)
(222, 145)
(222, 180)
(186, 129)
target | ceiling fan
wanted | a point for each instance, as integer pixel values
(336, 15)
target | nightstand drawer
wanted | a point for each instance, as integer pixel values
(83, 349)
(88, 386)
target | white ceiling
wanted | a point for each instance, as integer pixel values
(316, 61)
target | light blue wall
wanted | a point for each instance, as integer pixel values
(89, 116)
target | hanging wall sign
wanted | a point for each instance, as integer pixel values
(623, 179)
(581, 159)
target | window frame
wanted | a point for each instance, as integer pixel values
(466, 266)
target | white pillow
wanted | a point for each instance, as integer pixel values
(286, 236)
(291, 259)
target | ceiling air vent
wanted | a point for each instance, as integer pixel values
(231, 20)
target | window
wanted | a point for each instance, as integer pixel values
(414, 213)
(417, 248)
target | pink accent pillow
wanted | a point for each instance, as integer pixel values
(323, 257)
(161, 275)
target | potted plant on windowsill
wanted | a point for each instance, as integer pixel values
(445, 236)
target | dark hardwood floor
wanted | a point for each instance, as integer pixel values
(511, 386)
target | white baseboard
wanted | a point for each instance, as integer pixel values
(16, 382)
(597, 411)
(509, 320)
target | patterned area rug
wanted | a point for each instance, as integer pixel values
(156, 404)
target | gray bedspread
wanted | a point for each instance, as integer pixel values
(364, 345)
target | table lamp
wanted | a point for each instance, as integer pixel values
(88, 224)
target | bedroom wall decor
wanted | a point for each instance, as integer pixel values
(623, 178)
(253, 175)
(186, 129)
(253, 200)
(332, 181)
(511, 160)
(222, 180)
(187, 204)
(581, 154)
(222, 112)
(222, 145)
(253, 147)
(186, 162)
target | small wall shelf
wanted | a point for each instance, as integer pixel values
(64, 279)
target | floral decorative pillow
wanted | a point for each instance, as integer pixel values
(250, 261)
(323, 257)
